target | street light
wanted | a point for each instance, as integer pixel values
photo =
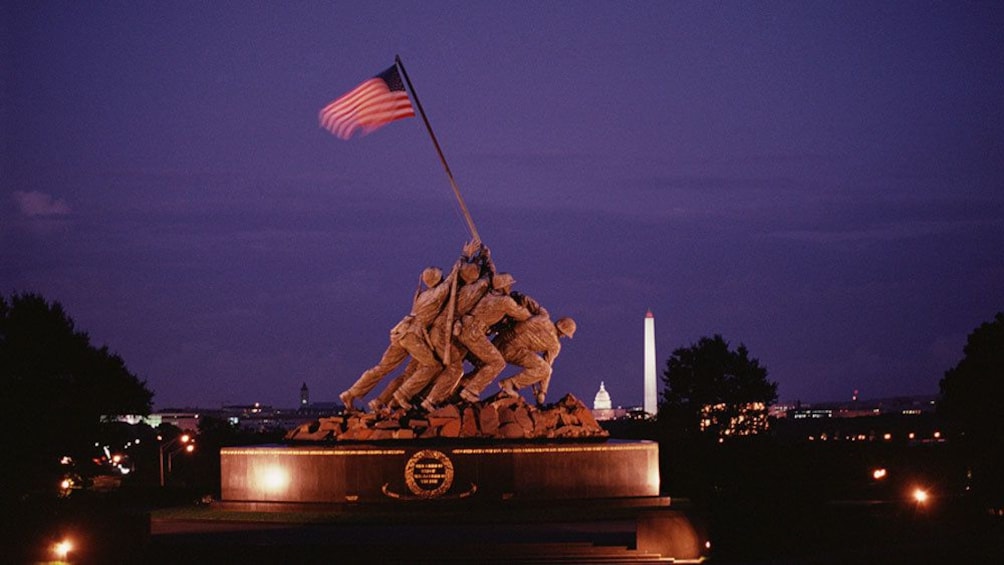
(172, 448)
(62, 549)
(170, 456)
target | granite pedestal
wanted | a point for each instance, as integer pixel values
(429, 471)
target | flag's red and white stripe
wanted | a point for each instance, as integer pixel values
(374, 103)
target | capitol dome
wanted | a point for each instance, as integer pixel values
(602, 400)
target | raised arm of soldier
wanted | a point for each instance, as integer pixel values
(529, 303)
(486, 259)
(471, 248)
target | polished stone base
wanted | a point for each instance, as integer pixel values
(429, 471)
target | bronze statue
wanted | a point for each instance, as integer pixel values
(533, 345)
(453, 321)
(409, 336)
(473, 334)
(413, 381)
(467, 298)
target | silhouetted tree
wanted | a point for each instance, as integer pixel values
(727, 390)
(56, 385)
(971, 394)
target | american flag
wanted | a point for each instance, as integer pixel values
(369, 106)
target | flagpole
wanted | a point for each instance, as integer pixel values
(439, 150)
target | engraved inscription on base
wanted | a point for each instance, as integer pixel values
(429, 474)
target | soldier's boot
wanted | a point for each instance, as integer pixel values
(401, 401)
(347, 398)
(508, 388)
(469, 396)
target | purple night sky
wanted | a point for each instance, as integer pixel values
(820, 181)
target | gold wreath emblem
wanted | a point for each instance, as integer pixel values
(429, 473)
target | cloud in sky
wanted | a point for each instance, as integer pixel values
(35, 204)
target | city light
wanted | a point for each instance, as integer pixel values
(879, 474)
(751, 419)
(66, 484)
(920, 496)
(62, 549)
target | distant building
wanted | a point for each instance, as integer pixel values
(651, 403)
(809, 413)
(304, 396)
(247, 410)
(322, 409)
(603, 407)
(185, 421)
(904, 405)
(780, 410)
(907, 419)
(602, 399)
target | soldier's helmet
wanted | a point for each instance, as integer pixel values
(502, 281)
(432, 276)
(470, 272)
(566, 326)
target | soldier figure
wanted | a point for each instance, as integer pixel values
(467, 298)
(409, 336)
(533, 345)
(473, 333)
(413, 381)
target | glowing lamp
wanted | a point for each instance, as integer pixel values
(920, 495)
(879, 474)
(274, 479)
(62, 549)
(653, 478)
